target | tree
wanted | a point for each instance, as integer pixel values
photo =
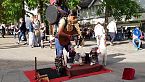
(11, 10)
(71, 4)
(2, 16)
(14, 9)
(40, 4)
(118, 8)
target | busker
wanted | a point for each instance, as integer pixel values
(67, 27)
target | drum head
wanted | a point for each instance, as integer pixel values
(52, 14)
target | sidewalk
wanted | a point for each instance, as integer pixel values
(15, 59)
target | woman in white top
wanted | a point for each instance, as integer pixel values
(99, 32)
(101, 43)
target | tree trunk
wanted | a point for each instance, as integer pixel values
(40, 10)
(106, 19)
(23, 10)
(106, 23)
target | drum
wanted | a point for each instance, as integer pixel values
(94, 55)
(52, 14)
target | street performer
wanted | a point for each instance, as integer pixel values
(67, 27)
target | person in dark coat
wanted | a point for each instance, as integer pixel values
(3, 31)
(22, 30)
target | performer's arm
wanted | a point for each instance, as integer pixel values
(78, 29)
(61, 28)
(60, 31)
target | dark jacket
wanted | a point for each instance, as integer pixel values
(31, 28)
(3, 30)
(22, 27)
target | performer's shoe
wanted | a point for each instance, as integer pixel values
(92, 63)
(76, 47)
(68, 66)
(18, 42)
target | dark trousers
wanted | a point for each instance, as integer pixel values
(112, 36)
(3, 35)
(22, 36)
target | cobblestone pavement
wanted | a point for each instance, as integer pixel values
(14, 59)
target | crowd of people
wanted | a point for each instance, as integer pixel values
(33, 36)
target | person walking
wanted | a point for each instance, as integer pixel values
(112, 31)
(15, 31)
(22, 30)
(3, 30)
(42, 34)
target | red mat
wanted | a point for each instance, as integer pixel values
(31, 75)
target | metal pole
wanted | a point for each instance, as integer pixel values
(35, 68)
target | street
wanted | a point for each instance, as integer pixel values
(14, 59)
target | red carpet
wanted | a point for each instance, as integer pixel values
(31, 75)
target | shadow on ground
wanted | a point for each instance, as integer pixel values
(12, 46)
(16, 64)
(113, 59)
(143, 46)
(113, 63)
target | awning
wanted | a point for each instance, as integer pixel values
(129, 25)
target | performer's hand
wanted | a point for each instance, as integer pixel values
(79, 37)
(69, 37)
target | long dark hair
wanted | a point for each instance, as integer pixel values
(73, 13)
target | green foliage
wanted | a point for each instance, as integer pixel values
(32, 3)
(11, 10)
(117, 8)
(71, 4)
(1, 13)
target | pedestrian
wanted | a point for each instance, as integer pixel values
(136, 38)
(3, 31)
(22, 30)
(79, 42)
(15, 31)
(42, 34)
(36, 26)
(31, 33)
(78, 37)
(112, 31)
